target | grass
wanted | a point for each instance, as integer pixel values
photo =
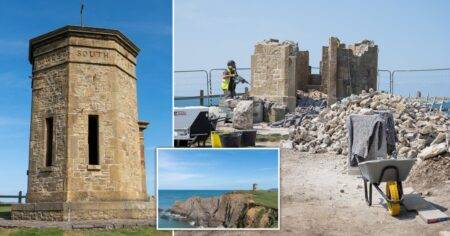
(5, 208)
(5, 211)
(263, 197)
(266, 198)
(31, 232)
(57, 232)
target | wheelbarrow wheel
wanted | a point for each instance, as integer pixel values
(392, 192)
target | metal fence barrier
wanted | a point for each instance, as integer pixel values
(188, 89)
(431, 80)
(387, 80)
(380, 79)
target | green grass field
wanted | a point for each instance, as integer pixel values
(263, 197)
(266, 198)
(5, 211)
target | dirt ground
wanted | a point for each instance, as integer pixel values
(319, 198)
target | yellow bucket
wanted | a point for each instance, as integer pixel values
(215, 139)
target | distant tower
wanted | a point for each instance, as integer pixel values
(86, 143)
(255, 187)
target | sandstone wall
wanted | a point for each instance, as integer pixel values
(280, 69)
(324, 70)
(273, 72)
(347, 71)
(98, 88)
(77, 72)
(70, 211)
(49, 99)
(364, 66)
(302, 70)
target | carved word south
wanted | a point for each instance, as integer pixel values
(92, 53)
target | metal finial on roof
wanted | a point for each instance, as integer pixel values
(81, 12)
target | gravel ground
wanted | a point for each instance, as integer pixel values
(318, 198)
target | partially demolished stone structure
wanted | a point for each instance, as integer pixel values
(86, 143)
(274, 68)
(345, 71)
(280, 69)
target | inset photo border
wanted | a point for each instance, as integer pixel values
(218, 189)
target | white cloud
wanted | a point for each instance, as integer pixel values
(170, 177)
(169, 162)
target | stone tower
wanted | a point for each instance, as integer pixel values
(275, 69)
(348, 70)
(255, 187)
(86, 143)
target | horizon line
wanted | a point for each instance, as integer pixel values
(215, 189)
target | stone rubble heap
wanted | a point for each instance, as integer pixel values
(309, 104)
(311, 94)
(421, 133)
(296, 118)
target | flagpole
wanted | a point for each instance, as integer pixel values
(81, 13)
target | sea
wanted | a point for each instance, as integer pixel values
(166, 198)
(445, 107)
(216, 100)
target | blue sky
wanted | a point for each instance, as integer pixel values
(217, 169)
(147, 23)
(410, 34)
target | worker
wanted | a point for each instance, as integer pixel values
(228, 80)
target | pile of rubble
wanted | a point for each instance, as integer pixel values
(312, 94)
(296, 118)
(421, 133)
(309, 105)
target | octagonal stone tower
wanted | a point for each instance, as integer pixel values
(86, 144)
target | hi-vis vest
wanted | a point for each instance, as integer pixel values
(226, 81)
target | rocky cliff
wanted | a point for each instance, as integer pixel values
(231, 210)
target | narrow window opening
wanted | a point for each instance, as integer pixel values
(49, 141)
(93, 140)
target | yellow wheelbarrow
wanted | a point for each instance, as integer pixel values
(391, 171)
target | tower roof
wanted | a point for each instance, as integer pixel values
(86, 32)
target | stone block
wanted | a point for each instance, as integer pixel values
(277, 112)
(274, 71)
(243, 115)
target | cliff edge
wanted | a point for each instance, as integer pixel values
(230, 210)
